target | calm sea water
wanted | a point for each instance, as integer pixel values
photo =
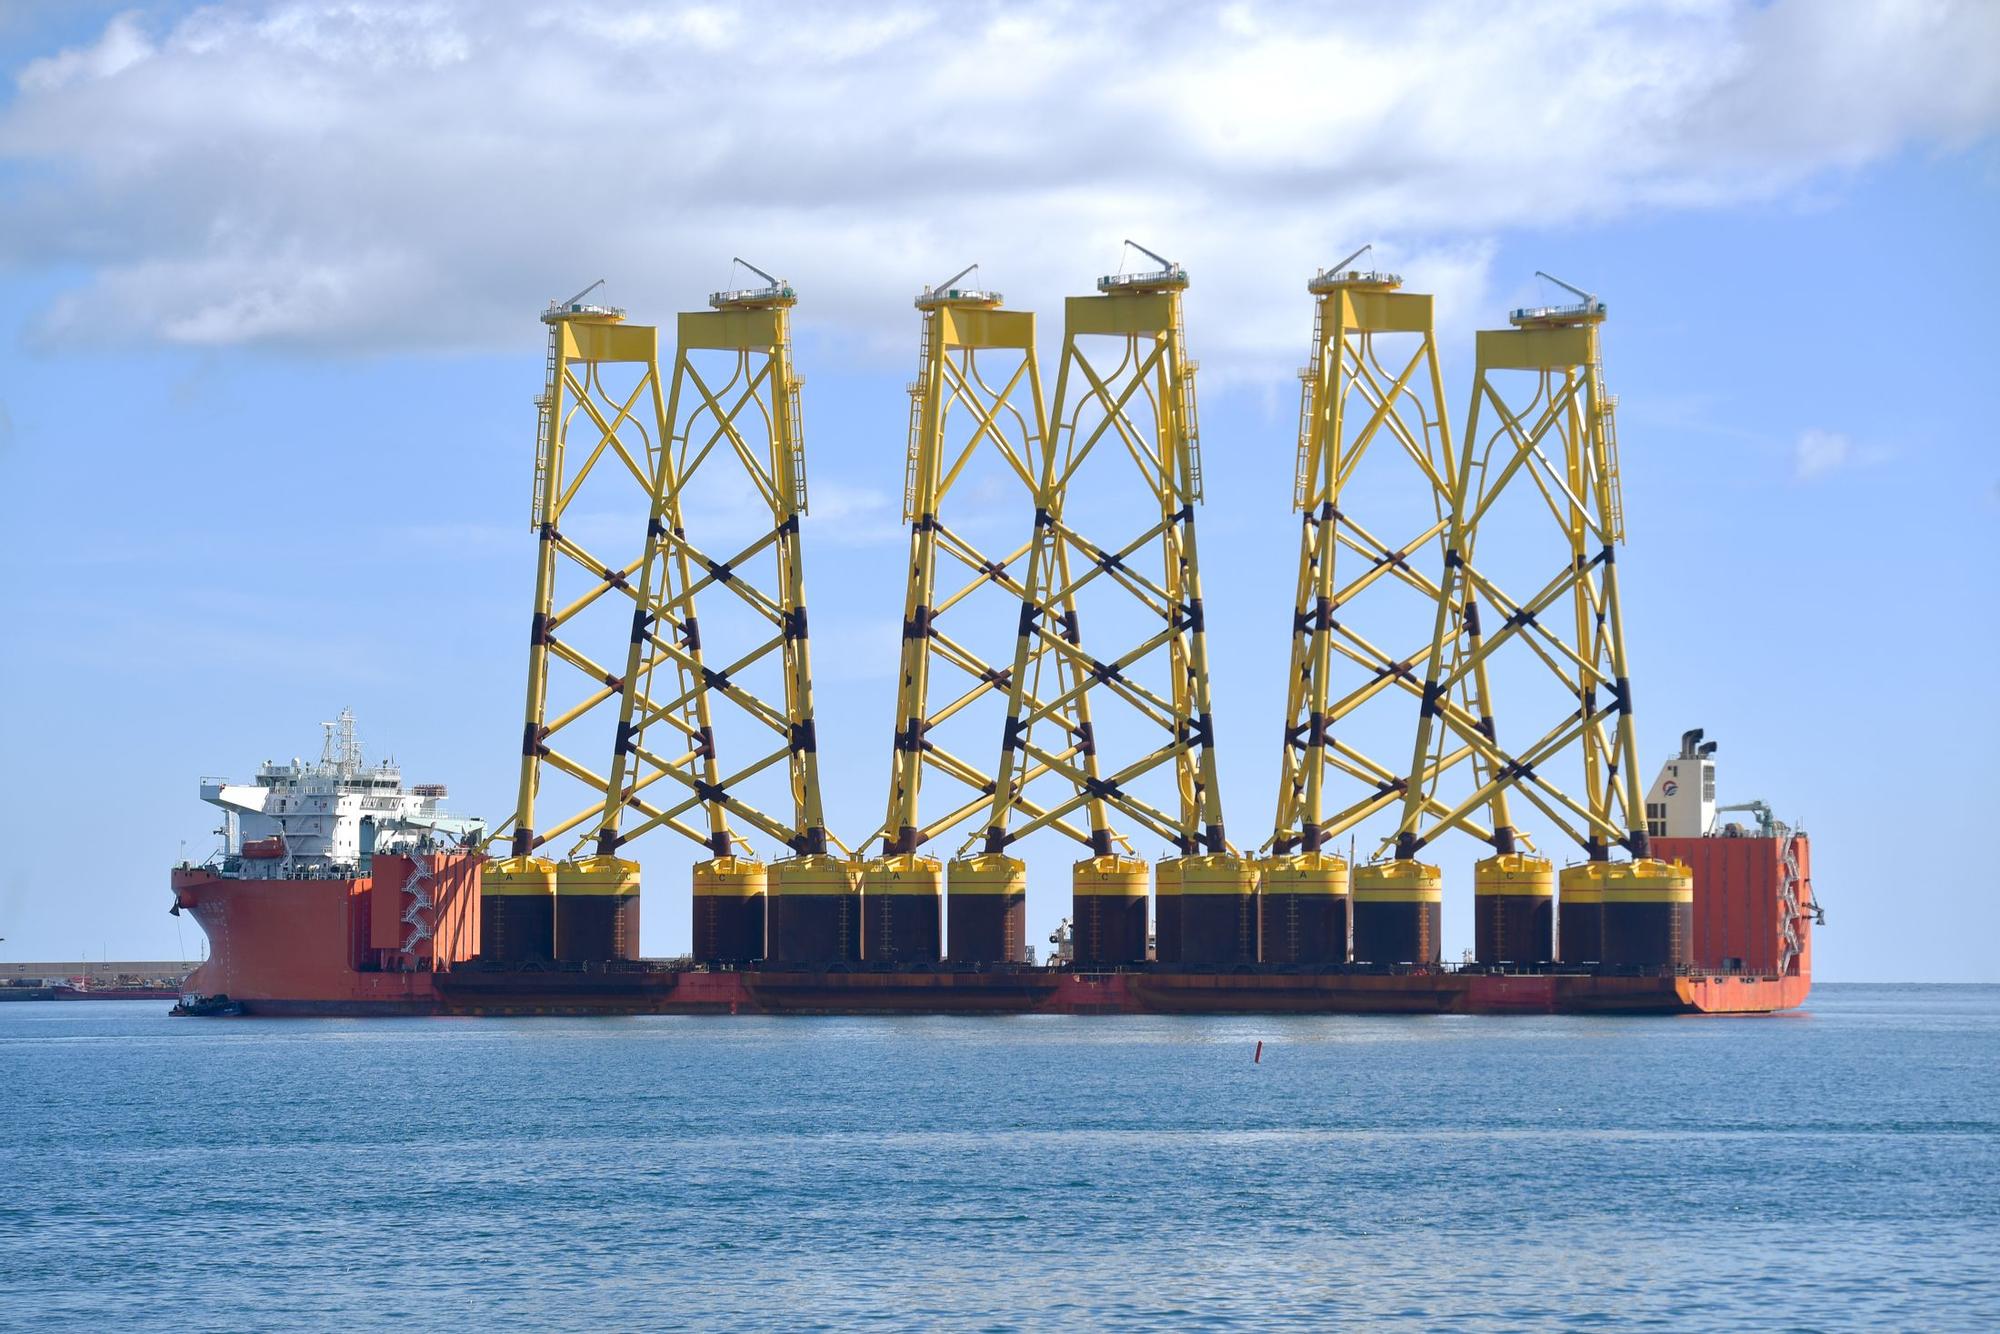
(1830, 1168)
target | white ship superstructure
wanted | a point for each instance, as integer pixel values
(328, 818)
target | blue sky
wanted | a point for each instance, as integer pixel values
(268, 284)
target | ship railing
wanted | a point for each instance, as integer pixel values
(1581, 310)
(738, 296)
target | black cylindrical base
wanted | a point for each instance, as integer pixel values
(814, 928)
(728, 928)
(1109, 928)
(986, 928)
(1580, 927)
(1167, 931)
(902, 928)
(517, 928)
(596, 928)
(1396, 932)
(1304, 928)
(1218, 929)
(1648, 935)
(1513, 928)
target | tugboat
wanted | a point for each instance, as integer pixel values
(207, 1007)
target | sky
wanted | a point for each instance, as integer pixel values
(269, 278)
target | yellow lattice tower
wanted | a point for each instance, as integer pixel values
(600, 417)
(731, 425)
(977, 391)
(1371, 391)
(1539, 414)
(733, 406)
(621, 425)
(1125, 390)
(976, 416)
(1355, 403)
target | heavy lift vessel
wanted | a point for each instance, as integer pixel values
(404, 909)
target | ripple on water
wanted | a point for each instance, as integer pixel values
(1836, 1167)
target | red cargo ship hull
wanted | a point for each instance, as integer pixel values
(342, 946)
(332, 945)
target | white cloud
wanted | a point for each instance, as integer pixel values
(1816, 453)
(1820, 453)
(121, 46)
(361, 175)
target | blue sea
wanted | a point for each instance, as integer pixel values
(1836, 1167)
